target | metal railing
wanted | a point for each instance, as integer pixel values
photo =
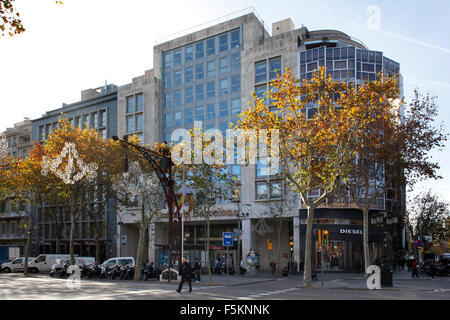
(214, 22)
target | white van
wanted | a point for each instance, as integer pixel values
(119, 260)
(15, 265)
(44, 262)
(79, 261)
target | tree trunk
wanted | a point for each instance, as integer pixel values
(207, 249)
(97, 241)
(72, 233)
(140, 250)
(367, 262)
(307, 275)
(28, 244)
(58, 227)
(279, 244)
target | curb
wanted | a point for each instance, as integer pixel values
(365, 289)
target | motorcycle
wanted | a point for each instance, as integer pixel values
(127, 272)
(60, 269)
(150, 272)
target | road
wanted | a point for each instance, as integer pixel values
(15, 286)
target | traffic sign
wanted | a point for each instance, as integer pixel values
(227, 239)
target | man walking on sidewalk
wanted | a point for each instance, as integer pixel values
(186, 275)
(197, 268)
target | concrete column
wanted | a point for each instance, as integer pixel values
(248, 239)
(296, 233)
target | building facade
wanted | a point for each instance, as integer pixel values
(97, 109)
(207, 78)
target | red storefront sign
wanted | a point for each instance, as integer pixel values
(216, 248)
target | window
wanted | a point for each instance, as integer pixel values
(368, 67)
(235, 39)
(130, 124)
(261, 71)
(188, 116)
(177, 57)
(223, 108)
(199, 72)
(177, 119)
(210, 112)
(13, 227)
(235, 61)
(210, 47)
(199, 114)
(177, 100)
(168, 120)
(168, 99)
(139, 102)
(139, 122)
(259, 91)
(188, 75)
(188, 54)
(223, 43)
(104, 119)
(130, 105)
(199, 93)
(168, 60)
(223, 65)
(275, 189)
(3, 228)
(210, 89)
(211, 69)
(168, 80)
(340, 65)
(188, 95)
(177, 78)
(262, 168)
(311, 66)
(199, 50)
(261, 190)
(223, 86)
(235, 106)
(236, 83)
(274, 68)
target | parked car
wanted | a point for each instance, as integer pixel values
(44, 262)
(444, 264)
(15, 265)
(119, 260)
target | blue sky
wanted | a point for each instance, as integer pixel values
(82, 43)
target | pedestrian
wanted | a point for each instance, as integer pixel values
(414, 269)
(186, 275)
(273, 266)
(197, 268)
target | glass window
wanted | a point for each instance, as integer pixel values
(236, 83)
(199, 93)
(223, 86)
(261, 190)
(168, 120)
(211, 69)
(188, 54)
(139, 122)
(223, 43)
(104, 119)
(262, 169)
(260, 90)
(199, 72)
(368, 67)
(177, 119)
(210, 89)
(311, 66)
(235, 39)
(168, 80)
(177, 57)
(130, 124)
(199, 50)
(340, 65)
(177, 99)
(223, 108)
(210, 112)
(168, 99)
(130, 105)
(223, 65)
(235, 61)
(188, 116)
(274, 67)
(275, 189)
(188, 95)
(188, 75)
(139, 102)
(235, 106)
(177, 78)
(168, 60)
(210, 47)
(199, 114)
(96, 124)
(261, 71)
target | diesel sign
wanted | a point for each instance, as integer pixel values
(350, 231)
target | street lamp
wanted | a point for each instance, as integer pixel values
(162, 166)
